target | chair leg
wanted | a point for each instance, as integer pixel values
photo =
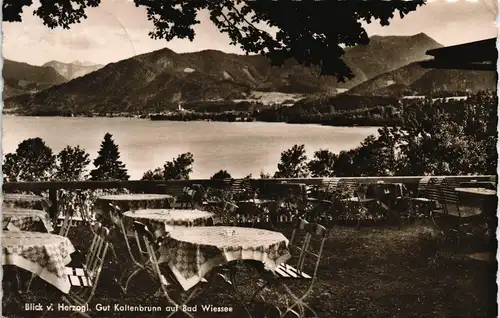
(135, 270)
(299, 302)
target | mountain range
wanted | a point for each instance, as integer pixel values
(74, 69)
(162, 79)
(414, 79)
(21, 78)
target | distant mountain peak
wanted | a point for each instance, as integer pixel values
(415, 37)
(74, 69)
(83, 63)
(157, 79)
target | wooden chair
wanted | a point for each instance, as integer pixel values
(165, 278)
(66, 225)
(453, 217)
(139, 261)
(243, 189)
(182, 194)
(308, 254)
(84, 279)
(351, 199)
(324, 190)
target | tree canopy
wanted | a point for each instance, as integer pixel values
(108, 165)
(178, 169)
(311, 32)
(33, 160)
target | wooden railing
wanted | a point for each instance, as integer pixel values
(160, 186)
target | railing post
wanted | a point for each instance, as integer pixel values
(53, 210)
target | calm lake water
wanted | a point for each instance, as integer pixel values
(239, 148)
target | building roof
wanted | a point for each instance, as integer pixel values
(479, 55)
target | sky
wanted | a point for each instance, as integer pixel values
(117, 30)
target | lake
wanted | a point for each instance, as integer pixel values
(239, 148)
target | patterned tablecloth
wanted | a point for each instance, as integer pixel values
(161, 220)
(25, 201)
(43, 254)
(15, 219)
(193, 252)
(132, 202)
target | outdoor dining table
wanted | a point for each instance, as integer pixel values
(162, 221)
(43, 254)
(17, 219)
(131, 202)
(480, 197)
(25, 201)
(193, 252)
(486, 201)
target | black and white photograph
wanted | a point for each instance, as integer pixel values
(249, 158)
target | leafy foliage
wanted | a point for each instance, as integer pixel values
(108, 164)
(293, 163)
(305, 29)
(434, 138)
(323, 164)
(32, 161)
(221, 174)
(177, 169)
(156, 174)
(72, 163)
(441, 138)
(180, 167)
(264, 175)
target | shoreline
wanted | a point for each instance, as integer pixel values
(177, 119)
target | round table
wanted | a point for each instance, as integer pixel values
(162, 220)
(16, 219)
(193, 252)
(132, 202)
(26, 201)
(43, 254)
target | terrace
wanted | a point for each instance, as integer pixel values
(394, 246)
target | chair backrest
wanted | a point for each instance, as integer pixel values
(145, 238)
(94, 260)
(448, 193)
(433, 189)
(66, 225)
(314, 234)
(197, 194)
(334, 182)
(243, 189)
(179, 191)
(148, 241)
(116, 216)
